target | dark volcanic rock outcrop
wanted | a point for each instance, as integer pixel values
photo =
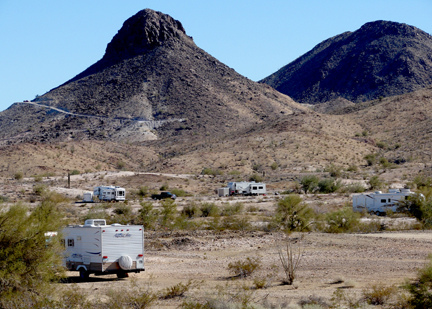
(382, 58)
(151, 71)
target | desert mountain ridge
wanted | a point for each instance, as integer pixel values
(155, 101)
(380, 59)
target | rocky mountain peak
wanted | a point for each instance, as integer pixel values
(142, 32)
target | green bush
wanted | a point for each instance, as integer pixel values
(371, 159)
(209, 210)
(329, 185)
(147, 215)
(256, 177)
(191, 211)
(230, 210)
(420, 207)
(178, 290)
(19, 175)
(168, 212)
(244, 268)
(420, 289)
(340, 221)
(293, 215)
(179, 192)
(309, 183)
(143, 191)
(28, 262)
(379, 295)
(75, 172)
(236, 223)
(211, 172)
(375, 183)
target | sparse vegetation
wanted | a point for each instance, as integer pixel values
(244, 268)
(293, 215)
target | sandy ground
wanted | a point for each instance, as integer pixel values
(328, 262)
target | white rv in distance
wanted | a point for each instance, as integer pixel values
(247, 188)
(97, 248)
(109, 193)
(380, 203)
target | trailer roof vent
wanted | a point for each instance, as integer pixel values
(95, 222)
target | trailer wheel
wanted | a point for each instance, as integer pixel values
(122, 274)
(84, 274)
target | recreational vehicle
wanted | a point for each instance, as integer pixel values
(98, 248)
(379, 202)
(247, 188)
(109, 193)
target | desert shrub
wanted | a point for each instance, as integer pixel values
(378, 294)
(120, 165)
(123, 214)
(168, 212)
(129, 296)
(74, 172)
(191, 211)
(143, 191)
(420, 289)
(3, 199)
(329, 185)
(147, 215)
(256, 177)
(178, 290)
(375, 183)
(182, 222)
(312, 302)
(244, 268)
(18, 175)
(292, 214)
(209, 210)
(164, 187)
(419, 207)
(274, 166)
(28, 262)
(340, 221)
(39, 189)
(236, 223)
(180, 192)
(334, 170)
(211, 172)
(230, 210)
(290, 260)
(384, 162)
(356, 187)
(98, 212)
(352, 168)
(309, 183)
(371, 159)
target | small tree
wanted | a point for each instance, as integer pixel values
(292, 214)
(147, 215)
(375, 183)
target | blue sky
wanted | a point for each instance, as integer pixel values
(44, 43)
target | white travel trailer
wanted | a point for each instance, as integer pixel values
(379, 202)
(109, 193)
(97, 248)
(247, 188)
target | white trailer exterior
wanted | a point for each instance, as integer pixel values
(97, 248)
(379, 202)
(109, 193)
(247, 188)
(223, 191)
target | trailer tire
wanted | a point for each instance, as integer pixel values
(125, 262)
(84, 274)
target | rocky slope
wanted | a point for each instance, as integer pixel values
(151, 71)
(380, 59)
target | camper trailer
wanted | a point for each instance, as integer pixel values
(98, 248)
(379, 202)
(109, 193)
(247, 188)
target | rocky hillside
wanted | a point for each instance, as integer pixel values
(153, 81)
(380, 59)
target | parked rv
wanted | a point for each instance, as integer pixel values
(380, 203)
(109, 193)
(247, 188)
(98, 248)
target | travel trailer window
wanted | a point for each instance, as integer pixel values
(71, 242)
(261, 188)
(383, 200)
